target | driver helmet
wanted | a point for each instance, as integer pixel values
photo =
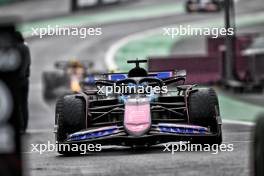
(74, 63)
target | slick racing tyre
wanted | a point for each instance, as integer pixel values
(203, 109)
(70, 117)
(258, 148)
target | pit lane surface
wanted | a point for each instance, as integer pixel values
(116, 160)
(154, 161)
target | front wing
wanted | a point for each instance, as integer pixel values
(158, 133)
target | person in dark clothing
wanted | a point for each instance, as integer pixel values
(18, 79)
(24, 80)
(258, 146)
(14, 78)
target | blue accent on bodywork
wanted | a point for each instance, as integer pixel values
(152, 97)
(121, 76)
(122, 99)
(79, 137)
(90, 79)
(117, 77)
(182, 130)
(163, 75)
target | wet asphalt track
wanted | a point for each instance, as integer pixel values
(117, 160)
(124, 161)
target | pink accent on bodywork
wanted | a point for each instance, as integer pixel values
(137, 118)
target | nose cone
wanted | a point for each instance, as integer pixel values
(137, 120)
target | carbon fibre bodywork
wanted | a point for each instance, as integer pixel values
(159, 133)
(169, 122)
(183, 112)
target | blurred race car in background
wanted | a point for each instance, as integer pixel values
(204, 5)
(67, 78)
(80, 4)
(182, 113)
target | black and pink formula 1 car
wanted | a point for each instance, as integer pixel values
(177, 112)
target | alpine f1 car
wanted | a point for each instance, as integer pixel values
(204, 5)
(67, 78)
(181, 113)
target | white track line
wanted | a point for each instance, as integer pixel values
(32, 131)
(238, 122)
(110, 54)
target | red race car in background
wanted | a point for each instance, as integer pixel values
(67, 78)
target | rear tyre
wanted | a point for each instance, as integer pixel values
(70, 117)
(203, 108)
(258, 155)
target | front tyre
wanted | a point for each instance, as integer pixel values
(70, 117)
(203, 109)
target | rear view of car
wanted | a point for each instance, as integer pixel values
(67, 78)
(203, 5)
